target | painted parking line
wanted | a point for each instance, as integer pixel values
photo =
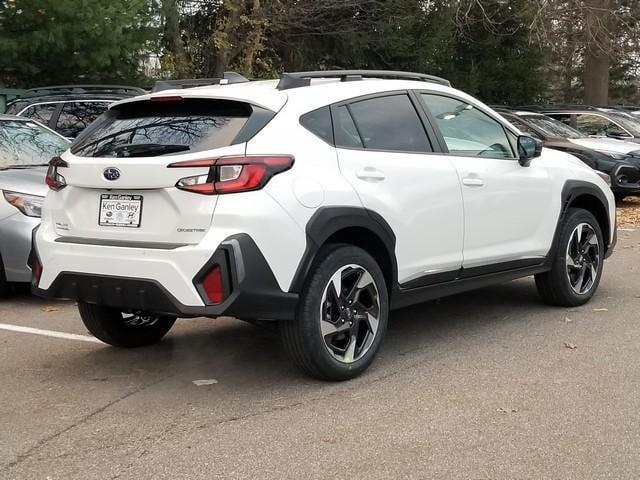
(48, 333)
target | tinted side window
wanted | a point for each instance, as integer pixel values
(42, 113)
(563, 117)
(390, 123)
(318, 122)
(597, 125)
(345, 130)
(466, 130)
(76, 116)
(523, 127)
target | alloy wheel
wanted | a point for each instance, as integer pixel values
(583, 258)
(350, 313)
(139, 319)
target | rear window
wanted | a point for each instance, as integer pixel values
(152, 128)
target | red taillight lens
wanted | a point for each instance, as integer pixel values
(37, 271)
(54, 180)
(232, 174)
(213, 285)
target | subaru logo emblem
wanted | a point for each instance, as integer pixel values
(111, 173)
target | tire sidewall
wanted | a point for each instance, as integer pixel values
(332, 259)
(574, 218)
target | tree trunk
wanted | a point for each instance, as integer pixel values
(597, 52)
(172, 35)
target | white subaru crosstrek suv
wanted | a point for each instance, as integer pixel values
(320, 201)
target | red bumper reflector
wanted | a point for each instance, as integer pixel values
(213, 285)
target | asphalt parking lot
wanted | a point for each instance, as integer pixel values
(486, 385)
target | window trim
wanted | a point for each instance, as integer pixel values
(505, 125)
(429, 134)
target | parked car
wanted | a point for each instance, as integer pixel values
(597, 121)
(318, 204)
(69, 109)
(25, 150)
(604, 154)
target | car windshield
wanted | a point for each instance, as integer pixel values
(552, 127)
(25, 143)
(626, 121)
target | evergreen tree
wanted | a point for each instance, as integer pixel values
(72, 41)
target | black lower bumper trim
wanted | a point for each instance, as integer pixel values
(254, 293)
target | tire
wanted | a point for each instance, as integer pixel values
(563, 285)
(123, 330)
(353, 332)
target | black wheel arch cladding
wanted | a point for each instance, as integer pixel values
(329, 223)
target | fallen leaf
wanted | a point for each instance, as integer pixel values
(568, 320)
(201, 383)
(569, 345)
(504, 410)
(49, 309)
(600, 309)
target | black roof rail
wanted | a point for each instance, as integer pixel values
(83, 89)
(303, 79)
(227, 79)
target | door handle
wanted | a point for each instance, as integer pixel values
(369, 173)
(473, 182)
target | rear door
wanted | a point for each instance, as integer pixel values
(119, 186)
(385, 153)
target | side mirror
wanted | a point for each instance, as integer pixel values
(528, 148)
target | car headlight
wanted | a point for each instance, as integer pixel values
(30, 205)
(614, 155)
(604, 176)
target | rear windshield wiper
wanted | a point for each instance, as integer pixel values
(141, 149)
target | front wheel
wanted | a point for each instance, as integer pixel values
(342, 315)
(126, 330)
(577, 263)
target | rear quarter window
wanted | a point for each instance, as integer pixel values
(190, 125)
(318, 122)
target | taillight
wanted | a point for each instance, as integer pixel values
(54, 180)
(213, 285)
(232, 174)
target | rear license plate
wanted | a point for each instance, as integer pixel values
(120, 210)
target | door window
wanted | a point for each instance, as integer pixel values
(466, 130)
(42, 112)
(597, 125)
(76, 116)
(386, 123)
(346, 132)
(523, 127)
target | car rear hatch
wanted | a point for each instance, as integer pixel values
(119, 187)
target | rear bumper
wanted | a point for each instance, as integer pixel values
(15, 244)
(252, 290)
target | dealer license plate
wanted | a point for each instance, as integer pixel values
(120, 210)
